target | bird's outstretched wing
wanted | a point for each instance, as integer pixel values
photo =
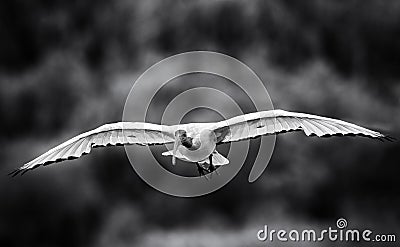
(277, 121)
(121, 133)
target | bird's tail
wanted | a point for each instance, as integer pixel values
(217, 159)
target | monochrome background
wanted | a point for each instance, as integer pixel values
(67, 67)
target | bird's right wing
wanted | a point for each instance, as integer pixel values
(121, 133)
(278, 121)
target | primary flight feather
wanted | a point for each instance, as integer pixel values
(196, 142)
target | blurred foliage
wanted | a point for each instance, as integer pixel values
(356, 37)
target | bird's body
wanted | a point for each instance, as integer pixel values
(200, 144)
(197, 142)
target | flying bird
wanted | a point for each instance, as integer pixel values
(197, 142)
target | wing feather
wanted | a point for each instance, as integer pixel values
(278, 121)
(71, 150)
(284, 124)
(78, 148)
(321, 128)
(106, 138)
(331, 129)
(278, 126)
(311, 129)
(109, 134)
(307, 126)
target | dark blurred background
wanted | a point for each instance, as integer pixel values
(67, 67)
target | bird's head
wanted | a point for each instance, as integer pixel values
(180, 137)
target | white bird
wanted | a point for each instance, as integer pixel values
(196, 142)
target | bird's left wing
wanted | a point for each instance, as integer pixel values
(121, 133)
(277, 121)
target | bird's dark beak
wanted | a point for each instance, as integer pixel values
(176, 145)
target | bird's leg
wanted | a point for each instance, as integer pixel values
(212, 167)
(201, 170)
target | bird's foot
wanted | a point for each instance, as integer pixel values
(211, 167)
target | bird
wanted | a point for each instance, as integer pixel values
(197, 142)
